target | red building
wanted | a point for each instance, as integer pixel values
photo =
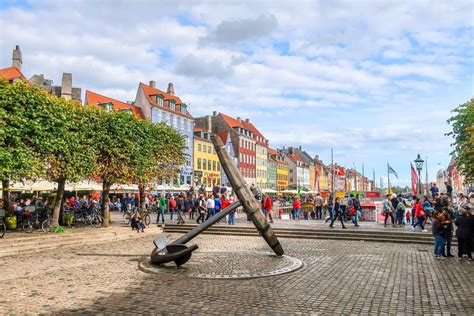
(241, 136)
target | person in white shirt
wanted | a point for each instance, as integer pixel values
(210, 204)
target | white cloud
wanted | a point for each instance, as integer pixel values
(364, 77)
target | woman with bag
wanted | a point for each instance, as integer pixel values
(388, 211)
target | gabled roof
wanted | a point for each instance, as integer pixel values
(294, 157)
(231, 121)
(93, 98)
(149, 91)
(255, 131)
(12, 73)
(272, 151)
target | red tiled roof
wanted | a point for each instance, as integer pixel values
(12, 73)
(231, 121)
(255, 131)
(149, 91)
(272, 151)
(93, 98)
(294, 157)
(198, 129)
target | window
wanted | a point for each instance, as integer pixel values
(154, 115)
(183, 108)
(209, 165)
(199, 147)
(218, 167)
(199, 163)
(172, 105)
(213, 165)
(185, 124)
(209, 150)
(178, 122)
(204, 148)
(204, 164)
(107, 106)
(171, 121)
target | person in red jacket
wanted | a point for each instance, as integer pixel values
(268, 205)
(296, 208)
(419, 214)
(225, 203)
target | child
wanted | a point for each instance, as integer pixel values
(408, 217)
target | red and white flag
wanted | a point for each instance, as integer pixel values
(414, 179)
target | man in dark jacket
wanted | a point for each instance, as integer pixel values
(464, 232)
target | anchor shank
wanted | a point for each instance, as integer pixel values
(243, 192)
(211, 221)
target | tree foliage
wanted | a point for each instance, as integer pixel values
(463, 133)
(42, 136)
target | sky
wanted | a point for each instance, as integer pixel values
(374, 80)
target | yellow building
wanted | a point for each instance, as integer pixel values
(207, 169)
(282, 174)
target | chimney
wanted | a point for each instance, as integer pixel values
(247, 120)
(66, 86)
(17, 60)
(214, 113)
(238, 118)
(299, 148)
(170, 88)
(209, 123)
(152, 84)
(316, 157)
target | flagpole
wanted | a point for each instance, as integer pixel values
(332, 172)
(363, 175)
(375, 186)
(388, 179)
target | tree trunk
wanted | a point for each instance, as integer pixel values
(59, 199)
(6, 195)
(105, 203)
(141, 192)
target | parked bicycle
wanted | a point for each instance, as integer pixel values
(145, 214)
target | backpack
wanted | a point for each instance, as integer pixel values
(400, 206)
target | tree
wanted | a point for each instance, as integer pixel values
(463, 133)
(116, 143)
(160, 156)
(68, 150)
(21, 133)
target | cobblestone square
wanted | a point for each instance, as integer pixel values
(336, 278)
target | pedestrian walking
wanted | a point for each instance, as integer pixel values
(318, 201)
(172, 207)
(210, 205)
(388, 211)
(337, 214)
(400, 211)
(180, 209)
(268, 205)
(160, 210)
(202, 210)
(330, 209)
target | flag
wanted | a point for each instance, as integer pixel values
(414, 179)
(390, 170)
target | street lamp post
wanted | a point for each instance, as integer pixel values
(419, 166)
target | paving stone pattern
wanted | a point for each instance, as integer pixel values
(227, 265)
(337, 277)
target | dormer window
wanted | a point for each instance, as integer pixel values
(159, 100)
(129, 111)
(172, 105)
(107, 106)
(184, 108)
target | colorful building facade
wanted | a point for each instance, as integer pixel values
(207, 168)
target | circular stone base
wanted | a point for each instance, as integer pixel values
(227, 265)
